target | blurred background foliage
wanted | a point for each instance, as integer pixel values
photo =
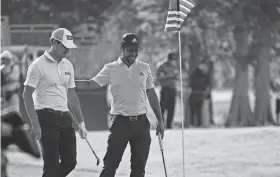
(241, 38)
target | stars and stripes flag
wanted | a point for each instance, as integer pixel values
(177, 12)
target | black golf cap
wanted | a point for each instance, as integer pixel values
(172, 56)
(130, 40)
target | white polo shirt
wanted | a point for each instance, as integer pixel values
(51, 81)
(127, 86)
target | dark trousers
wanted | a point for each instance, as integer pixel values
(58, 143)
(167, 103)
(196, 103)
(277, 111)
(122, 132)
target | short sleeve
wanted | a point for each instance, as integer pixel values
(150, 80)
(71, 83)
(103, 77)
(33, 75)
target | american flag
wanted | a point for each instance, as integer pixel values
(177, 12)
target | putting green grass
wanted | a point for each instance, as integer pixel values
(238, 152)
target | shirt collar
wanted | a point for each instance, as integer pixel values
(119, 61)
(48, 56)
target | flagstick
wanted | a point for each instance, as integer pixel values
(182, 101)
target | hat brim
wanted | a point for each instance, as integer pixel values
(69, 45)
(131, 45)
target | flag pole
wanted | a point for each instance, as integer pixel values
(181, 84)
(182, 100)
(175, 18)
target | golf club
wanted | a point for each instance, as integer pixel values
(95, 155)
(97, 159)
(161, 149)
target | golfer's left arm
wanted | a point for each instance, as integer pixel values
(73, 100)
(74, 105)
(152, 96)
(154, 102)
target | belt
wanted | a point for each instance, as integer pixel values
(56, 112)
(169, 87)
(132, 118)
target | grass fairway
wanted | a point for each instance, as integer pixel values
(238, 152)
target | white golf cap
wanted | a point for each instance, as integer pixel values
(65, 37)
(6, 54)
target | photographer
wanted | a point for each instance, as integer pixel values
(10, 75)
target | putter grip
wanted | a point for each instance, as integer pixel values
(160, 143)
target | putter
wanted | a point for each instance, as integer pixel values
(161, 149)
(97, 158)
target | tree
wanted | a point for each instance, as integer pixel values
(225, 31)
(265, 39)
(66, 13)
(241, 20)
(207, 39)
(254, 27)
(240, 113)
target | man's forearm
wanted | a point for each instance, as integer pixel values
(75, 108)
(91, 83)
(30, 110)
(77, 114)
(154, 102)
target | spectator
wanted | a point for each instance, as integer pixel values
(10, 75)
(200, 90)
(167, 75)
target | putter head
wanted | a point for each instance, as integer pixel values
(98, 161)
